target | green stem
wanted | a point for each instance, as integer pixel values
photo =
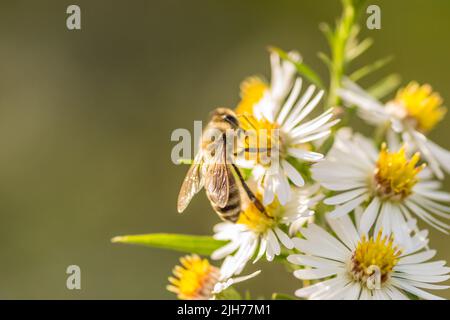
(338, 50)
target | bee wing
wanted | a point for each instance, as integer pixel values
(193, 183)
(217, 182)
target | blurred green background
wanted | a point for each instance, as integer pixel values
(86, 118)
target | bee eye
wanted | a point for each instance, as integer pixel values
(231, 119)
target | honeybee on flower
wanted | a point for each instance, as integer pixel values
(279, 115)
(255, 235)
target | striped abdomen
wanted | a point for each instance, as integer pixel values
(232, 210)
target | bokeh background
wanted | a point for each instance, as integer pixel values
(86, 118)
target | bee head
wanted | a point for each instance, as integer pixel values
(225, 114)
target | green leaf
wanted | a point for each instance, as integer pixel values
(366, 70)
(325, 59)
(384, 87)
(282, 296)
(229, 294)
(357, 4)
(359, 49)
(302, 68)
(203, 245)
(328, 33)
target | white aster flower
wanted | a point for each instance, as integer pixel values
(277, 115)
(388, 186)
(357, 266)
(283, 75)
(304, 201)
(413, 113)
(255, 234)
(197, 279)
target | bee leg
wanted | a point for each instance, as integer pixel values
(250, 194)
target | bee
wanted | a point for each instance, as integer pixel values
(214, 169)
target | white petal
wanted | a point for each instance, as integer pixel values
(418, 242)
(345, 230)
(312, 125)
(272, 242)
(363, 100)
(290, 101)
(289, 123)
(269, 252)
(344, 197)
(420, 278)
(315, 262)
(268, 195)
(330, 171)
(318, 249)
(423, 285)
(437, 208)
(427, 185)
(319, 288)
(293, 174)
(434, 195)
(346, 208)
(352, 291)
(383, 222)
(226, 250)
(365, 294)
(313, 137)
(244, 278)
(283, 237)
(418, 257)
(395, 294)
(262, 249)
(427, 217)
(305, 155)
(306, 111)
(420, 293)
(312, 274)
(319, 235)
(435, 268)
(369, 216)
(442, 155)
(282, 189)
(423, 145)
(321, 129)
(380, 295)
(342, 185)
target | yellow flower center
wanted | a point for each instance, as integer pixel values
(194, 279)
(262, 139)
(395, 175)
(252, 90)
(256, 220)
(423, 107)
(373, 260)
